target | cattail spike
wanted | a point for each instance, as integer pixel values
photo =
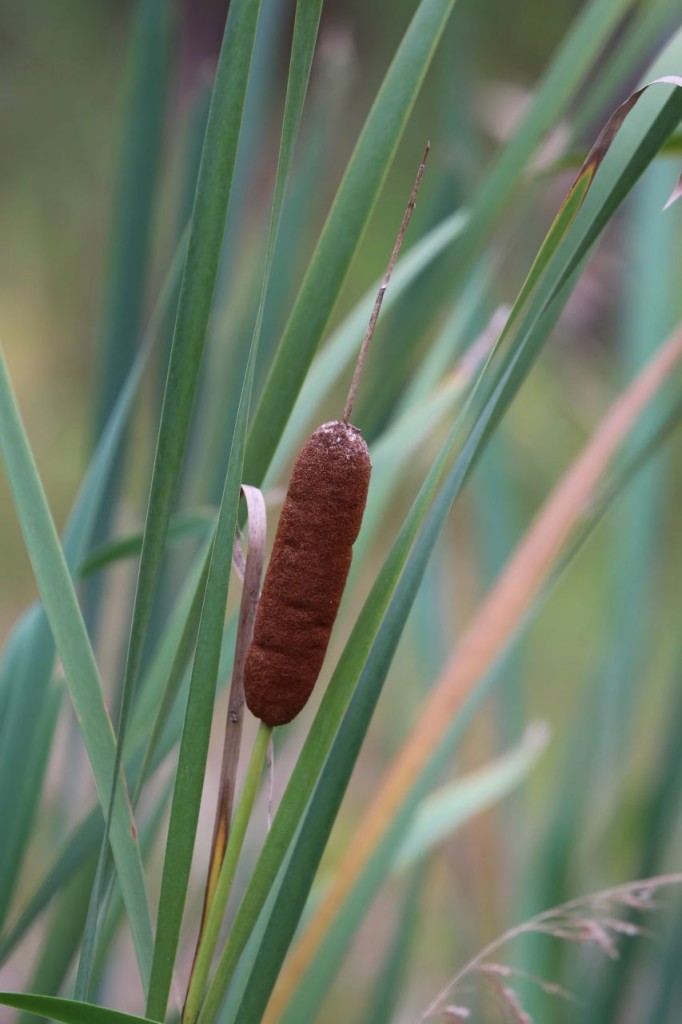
(308, 568)
(362, 355)
(311, 556)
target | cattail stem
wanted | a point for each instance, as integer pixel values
(362, 355)
(216, 910)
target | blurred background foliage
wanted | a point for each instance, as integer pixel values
(601, 661)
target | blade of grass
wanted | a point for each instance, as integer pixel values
(62, 940)
(195, 735)
(27, 784)
(139, 173)
(496, 501)
(650, 22)
(149, 834)
(140, 162)
(650, 309)
(196, 293)
(386, 993)
(147, 750)
(448, 808)
(196, 730)
(32, 643)
(342, 233)
(195, 132)
(665, 1000)
(68, 1011)
(82, 677)
(183, 525)
(657, 823)
(239, 275)
(305, 199)
(29, 661)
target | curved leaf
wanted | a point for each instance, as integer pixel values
(73, 646)
(451, 806)
(68, 1011)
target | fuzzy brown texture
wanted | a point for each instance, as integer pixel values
(307, 573)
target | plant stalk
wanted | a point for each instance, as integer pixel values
(216, 910)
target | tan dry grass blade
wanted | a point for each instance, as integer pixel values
(250, 570)
(483, 641)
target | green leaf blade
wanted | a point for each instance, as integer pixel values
(343, 231)
(73, 646)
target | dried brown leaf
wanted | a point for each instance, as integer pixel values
(608, 133)
(250, 571)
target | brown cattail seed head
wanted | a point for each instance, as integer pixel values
(311, 557)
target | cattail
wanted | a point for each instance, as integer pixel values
(311, 556)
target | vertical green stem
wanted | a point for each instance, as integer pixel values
(216, 910)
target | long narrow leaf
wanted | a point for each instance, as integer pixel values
(196, 730)
(448, 808)
(69, 1011)
(196, 293)
(82, 677)
(32, 643)
(343, 231)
